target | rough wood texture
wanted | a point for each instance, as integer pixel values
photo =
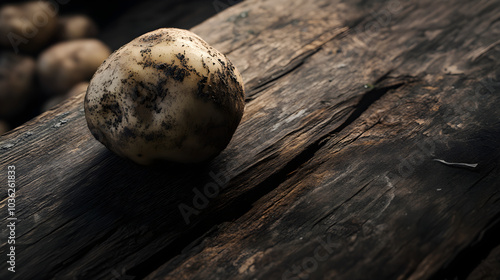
(331, 174)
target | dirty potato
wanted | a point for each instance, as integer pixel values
(166, 95)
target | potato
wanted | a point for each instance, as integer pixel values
(28, 26)
(17, 74)
(66, 64)
(76, 27)
(166, 95)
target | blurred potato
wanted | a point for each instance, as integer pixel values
(76, 27)
(65, 64)
(16, 83)
(27, 26)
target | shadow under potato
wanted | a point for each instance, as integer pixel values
(145, 194)
(114, 200)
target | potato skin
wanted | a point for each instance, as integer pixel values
(28, 26)
(166, 95)
(66, 64)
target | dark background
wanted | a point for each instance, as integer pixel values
(120, 21)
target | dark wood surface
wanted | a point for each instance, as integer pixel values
(342, 167)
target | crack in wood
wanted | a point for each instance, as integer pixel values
(383, 85)
(467, 259)
(243, 203)
(298, 58)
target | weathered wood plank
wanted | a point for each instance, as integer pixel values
(373, 189)
(342, 123)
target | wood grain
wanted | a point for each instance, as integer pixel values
(331, 174)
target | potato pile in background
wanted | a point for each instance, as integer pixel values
(44, 59)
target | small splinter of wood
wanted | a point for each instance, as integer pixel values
(458, 164)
